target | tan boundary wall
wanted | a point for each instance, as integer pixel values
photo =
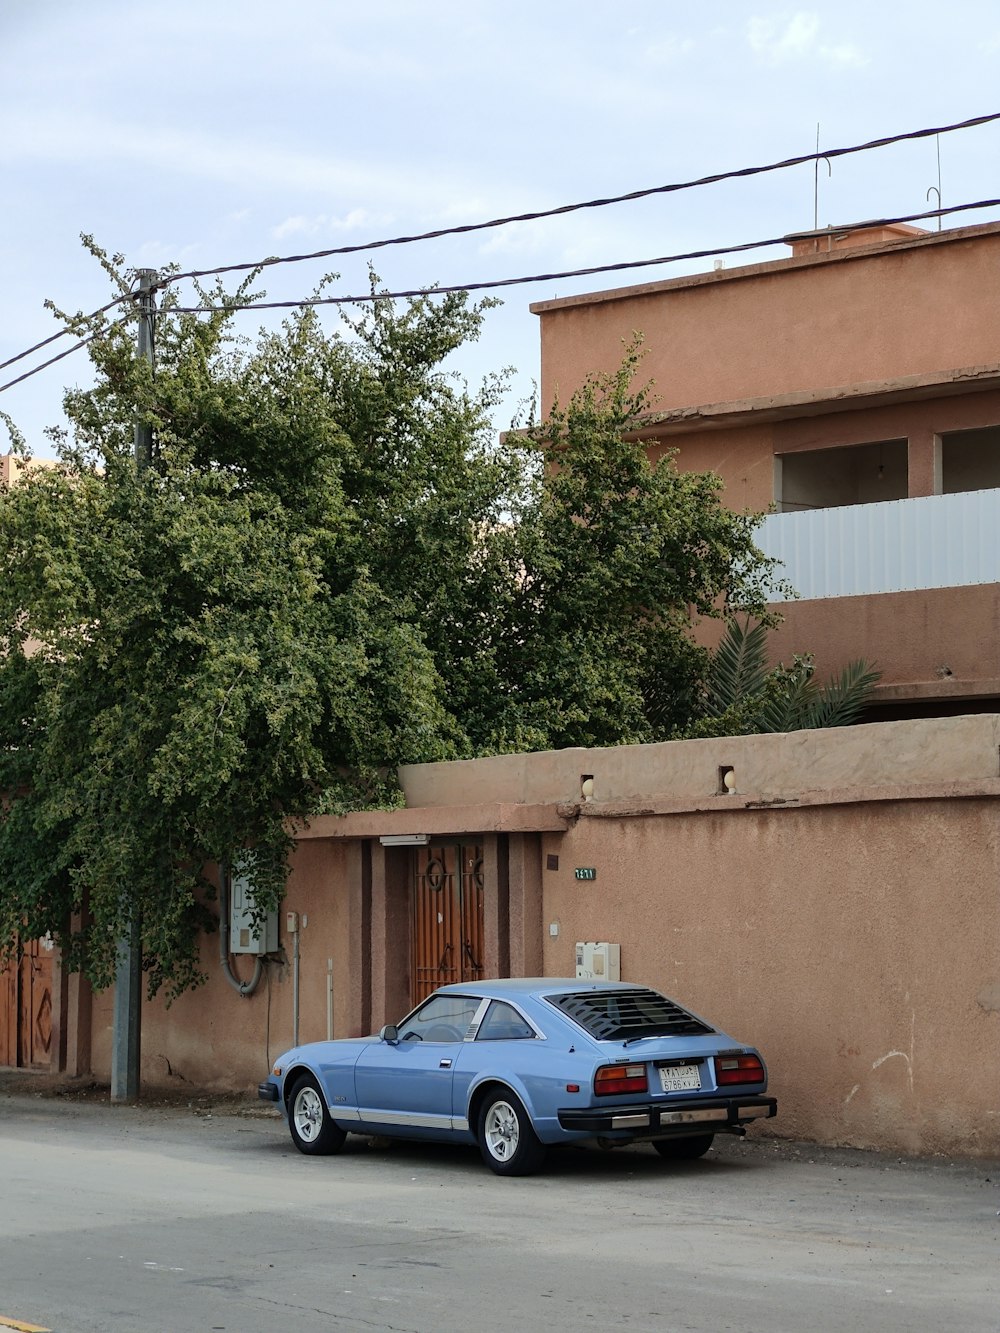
(856, 944)
(840, 908)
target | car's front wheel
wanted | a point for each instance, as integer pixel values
(684, 1150)
(507, 1141)
(309, 1122)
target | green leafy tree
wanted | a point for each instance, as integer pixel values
(617, 554)
(330, 567)
(215, 646)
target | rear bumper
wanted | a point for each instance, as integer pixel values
(267, 1092)
(712, 1116)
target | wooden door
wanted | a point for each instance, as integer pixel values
(35, 1011)
(26, 1008)
(8, 1014)
(447, 916)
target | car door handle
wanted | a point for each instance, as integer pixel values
(444, 1064)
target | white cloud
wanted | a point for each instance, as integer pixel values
(56, 138)
(459, 208)
(670, 51)
(298, 226)
(779, 39)
(158, 254)
(844, 54)
(327, 223)
(526, 238)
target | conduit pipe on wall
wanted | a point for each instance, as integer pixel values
(293, 927)
(245, 988)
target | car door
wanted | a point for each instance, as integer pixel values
(406, 1085)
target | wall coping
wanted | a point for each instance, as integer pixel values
(439, 821)
(818, 402)
(908, 753)
(741, 802)
(911, 760)
(771, 267)
(454, 821)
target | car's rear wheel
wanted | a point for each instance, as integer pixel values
(309, 1122)
(684, 1150)
(507, 1141)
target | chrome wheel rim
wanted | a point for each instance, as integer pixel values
(502, 1131)
(308, 1114)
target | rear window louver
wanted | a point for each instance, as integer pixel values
(618, 1015)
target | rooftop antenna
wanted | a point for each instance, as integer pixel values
(829, 172)
(936, 189)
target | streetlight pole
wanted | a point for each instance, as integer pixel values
(125, 1050)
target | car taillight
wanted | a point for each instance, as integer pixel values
(738, 1069)
(612, 1080)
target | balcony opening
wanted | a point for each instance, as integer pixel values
(970, 460)
(859, 474)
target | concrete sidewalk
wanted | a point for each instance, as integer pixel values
(30, 1083)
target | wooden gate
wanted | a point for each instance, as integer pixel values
(26, 1009)
(447, 922)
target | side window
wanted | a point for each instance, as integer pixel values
(442, 1018)
(504, 1023)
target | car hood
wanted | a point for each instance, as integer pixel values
(324, 1053)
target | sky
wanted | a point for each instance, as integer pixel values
(209, 132)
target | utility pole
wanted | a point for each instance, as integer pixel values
(127, 1029)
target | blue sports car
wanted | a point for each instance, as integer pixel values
(519, 1064)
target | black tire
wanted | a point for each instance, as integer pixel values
(507, 1140)
(684, 1150)
(309, 1123)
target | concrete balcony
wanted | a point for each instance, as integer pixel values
(936, 541)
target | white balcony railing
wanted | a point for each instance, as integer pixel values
(936, 541)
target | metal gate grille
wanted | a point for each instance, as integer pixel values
(447, 923)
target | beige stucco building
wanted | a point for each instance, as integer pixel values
(837, 900)
(855, 388)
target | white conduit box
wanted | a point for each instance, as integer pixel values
(598, 961)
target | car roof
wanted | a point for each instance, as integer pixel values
(508, 986)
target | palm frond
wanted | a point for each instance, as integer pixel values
(789, 696)
(841, 701)
(739, 666)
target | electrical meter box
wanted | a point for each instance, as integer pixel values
(246, 935)
(598, 961)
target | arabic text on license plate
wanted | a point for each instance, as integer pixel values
(680, 1078)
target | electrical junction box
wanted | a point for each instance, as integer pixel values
(246, 935)
(598, 961)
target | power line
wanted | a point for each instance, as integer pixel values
(54, 337)
(51, 361)
(309, 301)
(568, 273)
(466, 228)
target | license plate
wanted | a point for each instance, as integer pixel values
(680, 1078)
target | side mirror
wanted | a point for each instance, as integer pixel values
(389, 1033)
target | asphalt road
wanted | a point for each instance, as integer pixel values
(117, 1219)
